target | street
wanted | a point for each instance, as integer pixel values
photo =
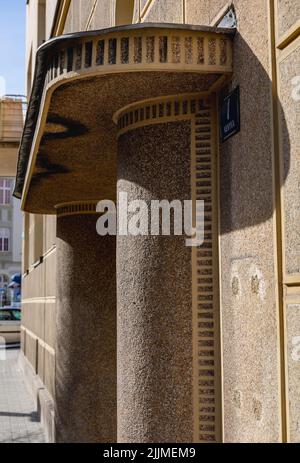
(19, 422)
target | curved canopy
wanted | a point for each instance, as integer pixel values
(68, 148)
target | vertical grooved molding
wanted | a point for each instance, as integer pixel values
(205, 271)
(207, 382)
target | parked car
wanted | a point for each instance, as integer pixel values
(10, 325)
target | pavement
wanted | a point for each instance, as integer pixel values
(19, 420)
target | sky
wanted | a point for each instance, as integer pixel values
(12, 46)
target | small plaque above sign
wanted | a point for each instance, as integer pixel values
(230, 115)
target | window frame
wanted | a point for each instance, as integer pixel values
(5, 239)
(4, 311)
(4, 279)
(6, 186)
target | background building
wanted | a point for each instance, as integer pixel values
(11, 126)
(207, 340)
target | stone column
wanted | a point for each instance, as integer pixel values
(168, 317)
(154, 283)
(86, 329)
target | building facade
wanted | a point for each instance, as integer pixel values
(142, 338)
(11, 126)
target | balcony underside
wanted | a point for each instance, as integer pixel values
(69, 145)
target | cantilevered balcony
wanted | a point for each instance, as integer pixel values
(69, 145)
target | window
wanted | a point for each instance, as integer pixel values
(5, 191)
(228, 21)
(4, 239)
(10, 315)
(16, 314)
(4, 280)
(6, 316)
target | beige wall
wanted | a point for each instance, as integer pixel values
(251, 242)
(39, 19)
(288, 68)
(250, 301)
(11, 126)
(180, 11)
(90, 15)
(8, 160)
(39, 258)
(164, 11)
(288, 15)
(38, 296)
(247, 239)
(248, 267)
(50, 12)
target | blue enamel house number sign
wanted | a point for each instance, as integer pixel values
(230, 114)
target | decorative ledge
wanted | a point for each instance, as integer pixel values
(150, 49)
(68, 148)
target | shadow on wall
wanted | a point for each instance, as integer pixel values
(246, 164)
(250, 339)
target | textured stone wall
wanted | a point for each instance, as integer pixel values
(154, 294)
(289, 69)
(247, 245)
(249, 299)
(165, 11)
(179, 11)
(88, 15)
(247, 242)
(197, 12)
(288, 14)
(293, 366)
(289, 95)
(85, 381)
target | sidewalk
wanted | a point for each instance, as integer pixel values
(18, 417)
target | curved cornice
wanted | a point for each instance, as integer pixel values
(175, 48)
